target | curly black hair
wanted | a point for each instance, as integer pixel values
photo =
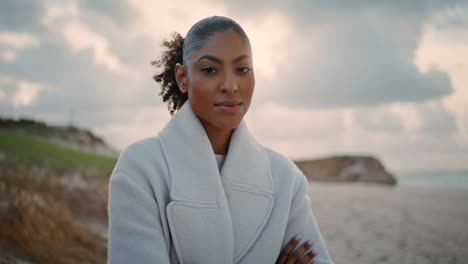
(169, 88)
(178, 50)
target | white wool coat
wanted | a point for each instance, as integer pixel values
(169, 202)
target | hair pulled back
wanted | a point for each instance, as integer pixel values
(179, 50)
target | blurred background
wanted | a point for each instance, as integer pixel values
(350, 88)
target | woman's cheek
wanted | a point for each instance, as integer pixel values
(249, 87)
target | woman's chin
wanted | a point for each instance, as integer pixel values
(229, 125)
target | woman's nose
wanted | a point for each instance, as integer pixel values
(229, 84)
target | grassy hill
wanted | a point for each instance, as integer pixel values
(66, 136)
(25, 151)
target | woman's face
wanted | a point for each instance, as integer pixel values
(219, 80)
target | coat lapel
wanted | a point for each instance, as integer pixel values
(249, 186)
(213, 217)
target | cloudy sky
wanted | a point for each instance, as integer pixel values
(385, 78)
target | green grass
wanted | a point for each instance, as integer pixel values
(26, 151)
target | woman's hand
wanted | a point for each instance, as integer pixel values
(286, 257)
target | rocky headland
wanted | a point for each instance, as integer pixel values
(346, 169)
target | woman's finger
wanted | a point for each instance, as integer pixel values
(287, 249)
(308, 257)
(297, 253)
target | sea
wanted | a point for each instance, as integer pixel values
(453, 179)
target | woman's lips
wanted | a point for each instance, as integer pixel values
(229, 107)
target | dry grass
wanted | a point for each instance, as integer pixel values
(46, 220)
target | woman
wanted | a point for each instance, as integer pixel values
(204, 190)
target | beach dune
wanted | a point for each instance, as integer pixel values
(371, 223)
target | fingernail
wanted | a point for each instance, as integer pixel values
(298, 237)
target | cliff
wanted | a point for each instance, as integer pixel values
(346, 169)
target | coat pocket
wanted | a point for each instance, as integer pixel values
(201, 232)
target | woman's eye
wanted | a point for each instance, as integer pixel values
(243, 69)
(209, 70)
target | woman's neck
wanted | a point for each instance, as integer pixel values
(219, 138)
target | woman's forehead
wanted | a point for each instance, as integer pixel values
(228, 45)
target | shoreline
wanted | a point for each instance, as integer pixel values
(404, 184)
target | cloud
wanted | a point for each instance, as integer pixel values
(93, 70)
(354, 66)
(76, 81)
(18, 40)
(119, 12)
(437, 121)
(21, 15)
(8, 88)
(79, 38)
(377, 121)
(26, 94)
(307, 12)
(451, 18)
(350, 54)
(7, 55)
(12, 42)
(281, 124)
(446, 48)
(402, 135)
(18, 93)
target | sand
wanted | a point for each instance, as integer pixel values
(369, 223)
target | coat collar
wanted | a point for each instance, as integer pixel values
(241, 192)
(193, 166)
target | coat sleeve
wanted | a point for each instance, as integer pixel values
(302, 221)
(135, 231)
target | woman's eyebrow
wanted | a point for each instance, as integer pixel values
(241, 57)
(220, 61)
(210, 57)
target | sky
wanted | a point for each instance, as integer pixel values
(381, 78)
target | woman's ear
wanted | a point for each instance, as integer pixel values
(180, 73)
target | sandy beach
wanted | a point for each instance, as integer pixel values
(369, 223)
